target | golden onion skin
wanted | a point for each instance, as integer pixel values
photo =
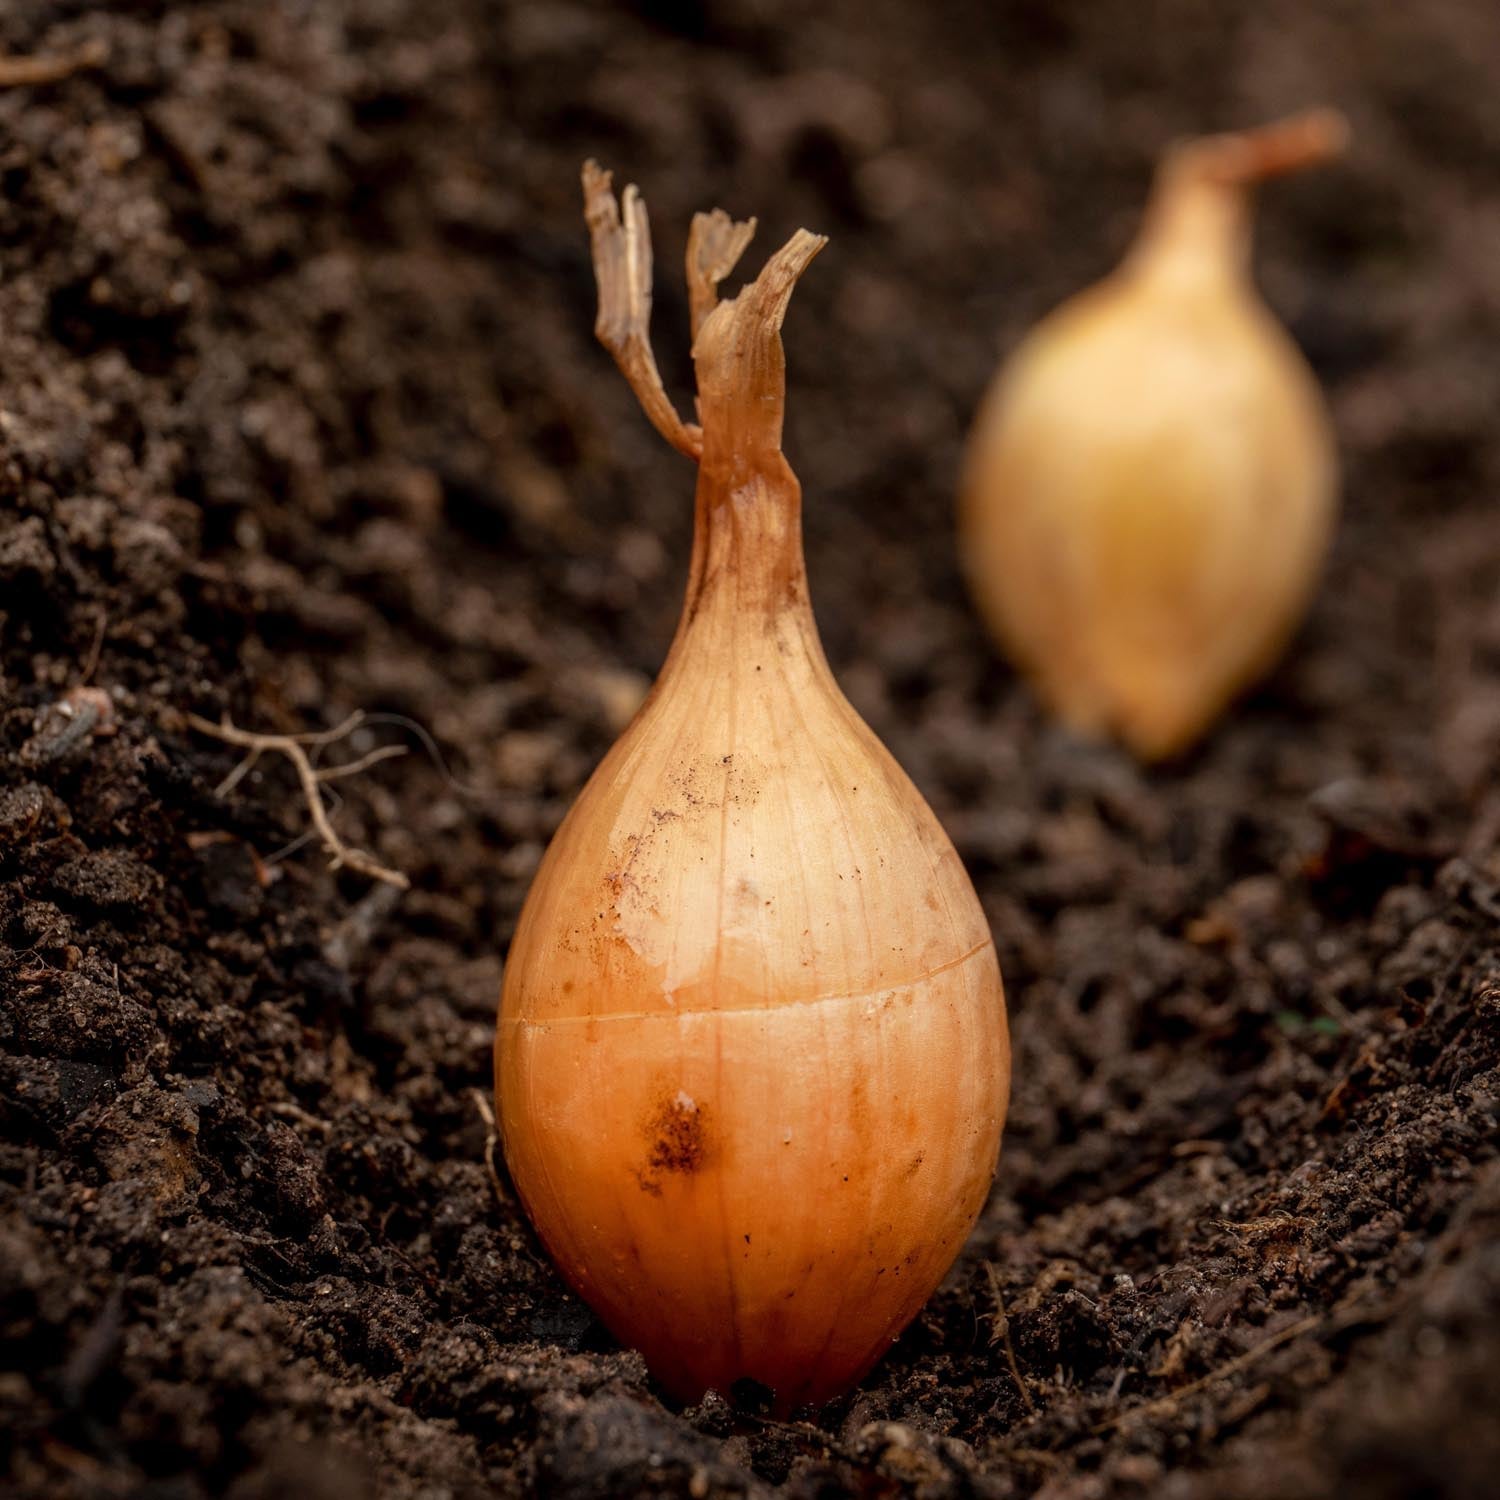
(752, 1061)
(1151, 483)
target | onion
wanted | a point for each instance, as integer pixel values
(1151, 482)
(752, 1061)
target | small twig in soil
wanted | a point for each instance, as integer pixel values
(370, 758)
(210, 837)
(91, 665)
(357, 931)
(1038, 1457)
(430, 745)
(294, 747)
(96, 1350)
(82, 713)
(19, 72)
(1277, 1226)
(1000, 1333)
(491, 1140)
(1266, 1346)
(290, 1111)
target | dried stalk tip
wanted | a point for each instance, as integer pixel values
(715, 244)
(621, 239)
(620, 235)
(738, 356)
(772, 289)
(34, 72)
(1241, 158)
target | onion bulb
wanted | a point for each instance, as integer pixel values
(752, 1061)
(1150, 485)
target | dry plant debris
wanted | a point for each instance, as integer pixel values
(312, 779)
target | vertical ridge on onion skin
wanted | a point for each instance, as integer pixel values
(751, 1060)
(834, 1313)
(720, 1178)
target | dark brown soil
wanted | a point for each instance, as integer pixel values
(300, 414)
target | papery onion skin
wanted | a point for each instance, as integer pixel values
(1151, 482)
(752, 1061)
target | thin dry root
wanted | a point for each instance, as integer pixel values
(491, 1140)
(18, 72)
(621, 238)
(1000, 1334)
(715, 244)
(294, 747)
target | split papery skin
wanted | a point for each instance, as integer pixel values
(752, 1060)
(1150, 487)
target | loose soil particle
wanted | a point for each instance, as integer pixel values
(300, 414)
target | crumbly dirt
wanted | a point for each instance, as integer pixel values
(300, 414)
